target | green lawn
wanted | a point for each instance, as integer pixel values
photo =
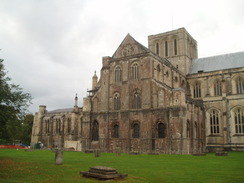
(38, 166)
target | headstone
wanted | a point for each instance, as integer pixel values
(58, 156)
(97, 152)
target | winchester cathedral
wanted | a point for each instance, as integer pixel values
(161, 99)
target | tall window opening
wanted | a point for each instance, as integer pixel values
(59, 126)
(69, 125)
(218, 88)
(239, 85)
(161, 130)
(214, 122)
(157, 48)
(239, 121)
(118, 74)
(175, 46)
(166, 48)
(135, 71)
(57, 130)
(136, 104)
(136, 131)
(115, 131)
(116, 102)
(195, 130)
(197, 90)
(95, 131)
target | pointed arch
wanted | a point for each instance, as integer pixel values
(95, 131)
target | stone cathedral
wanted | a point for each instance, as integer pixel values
(160, 99)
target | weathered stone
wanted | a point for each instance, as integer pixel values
(103, 173)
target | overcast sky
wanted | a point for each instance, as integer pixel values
(51, 48)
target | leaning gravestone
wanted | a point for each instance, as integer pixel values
(58, 156)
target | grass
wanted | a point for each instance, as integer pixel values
(38, 166)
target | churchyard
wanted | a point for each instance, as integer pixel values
(39, 166)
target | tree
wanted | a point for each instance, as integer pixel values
(27, 128)
(13, 106)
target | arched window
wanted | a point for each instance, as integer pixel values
(95, 131)
(239, 85)
(136, 130)
(239, 121)
(157, 48)
(175, 46)
(118, 74)
(214, 122)
(166, 48)
(115, 131)
(136, 104)
(218, 88)
(197, 90)
(135, 71)
(69, 125)
(161, 130)
(116, 102)
(47, 126)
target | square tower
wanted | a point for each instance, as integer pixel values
(178, 46)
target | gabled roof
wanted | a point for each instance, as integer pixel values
(128, 47)
(215, 63)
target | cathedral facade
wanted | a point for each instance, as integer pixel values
(160, 99)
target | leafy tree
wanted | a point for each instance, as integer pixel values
(27, 128)
(13, 106)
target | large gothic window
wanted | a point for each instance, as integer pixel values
(95, 131)
(161, 130)
(59, 126)
(116, 102)
(136, 130)
(118, 74)
(239, 121)
(218, 88)
(214, 122)
(136, 104)
(115, 131)
(197, 90)
(57, 130)
(239, 85)
(135, 71)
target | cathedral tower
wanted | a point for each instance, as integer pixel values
(177, 46)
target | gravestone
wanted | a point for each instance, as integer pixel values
(103, 173)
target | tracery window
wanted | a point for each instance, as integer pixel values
(239, 121)
(197, 90)
(214, 122)
(136, 130)
(115, 131)
(135, 71)
(59, 126)
(136, 104)
(116, 102)
(47, 126)
(95, 131)
(161, 130)
(218, 88)
(239, 85)
(118, 74)
(195, 130)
